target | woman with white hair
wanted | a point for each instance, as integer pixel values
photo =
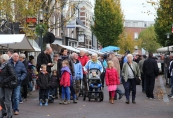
(130, 70)
(7, 75)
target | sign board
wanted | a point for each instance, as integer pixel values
(81, 38)
(71, 24)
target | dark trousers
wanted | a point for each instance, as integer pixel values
(85, 83)
(43, 94)
(150, 82)
(25, 91)
(130, 85)
(103, 78)
(52, 91)
(143, 82)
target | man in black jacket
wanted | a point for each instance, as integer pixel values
(150, 69)
(45, 58)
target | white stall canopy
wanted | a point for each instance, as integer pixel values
(69, 48)
(84, 49)
(165, 49)
(16, 42)
(96, 51)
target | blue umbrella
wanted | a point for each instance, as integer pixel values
(110, 48)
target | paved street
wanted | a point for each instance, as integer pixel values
(145, 108)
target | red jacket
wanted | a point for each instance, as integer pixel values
(112, 77)
(83, 61)
(65, 79)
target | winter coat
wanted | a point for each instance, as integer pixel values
(59, 65)
(54, 81)
(43, 80)
(44, 59)
(20, 71)
(65, 77)
(83, 60)
(150, 67)
(112, 77)
(116, 64)
(78, 70)
(7, 74)
(26, 80)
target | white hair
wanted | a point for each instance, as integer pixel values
(73, 54)
(5, 57)
(130, 55)
(81, 50)
(94, 54)
(22, 55)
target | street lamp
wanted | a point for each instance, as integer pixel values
(41, 18)
(168, 36)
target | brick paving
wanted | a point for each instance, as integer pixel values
(145, 108)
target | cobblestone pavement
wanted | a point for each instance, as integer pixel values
(145, 108)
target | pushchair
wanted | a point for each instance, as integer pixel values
(94, 85)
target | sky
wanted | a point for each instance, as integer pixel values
(133, 9)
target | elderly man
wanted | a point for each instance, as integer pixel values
(83, 59)
(115, 60)
(25, 82)
(45, 58)
(10, 53)
(21, 73)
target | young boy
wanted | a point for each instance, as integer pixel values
(43, 82)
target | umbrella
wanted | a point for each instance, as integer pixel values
(110, 48)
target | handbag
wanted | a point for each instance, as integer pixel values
(138, 81)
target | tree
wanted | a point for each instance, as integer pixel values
(126, 42)
(147, 39)
(20, 10)
(164, 21)
(108, 21)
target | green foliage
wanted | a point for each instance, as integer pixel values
(147, 39)
(108, 21)
(164, 21)
(41, 28)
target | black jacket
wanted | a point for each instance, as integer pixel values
(7, 74)
(26, 80)
(59, 65)
(43, 80)
(44, 59)
(54, 81)
(150, 67)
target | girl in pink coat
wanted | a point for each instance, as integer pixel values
(112, 81)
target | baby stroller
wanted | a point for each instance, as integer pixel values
(94, 85)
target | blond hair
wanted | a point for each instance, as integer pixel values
(110, 64)
(43, 65)
(66, 62)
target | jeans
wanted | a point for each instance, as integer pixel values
(15, 98)
(30, 86)
(130, 85)
(172, 85)
(43, 94)
(143, 82)
(65, 93)
(52, 91)
(150, 82)
(5, 101)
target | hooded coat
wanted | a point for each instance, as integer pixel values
(65, 76)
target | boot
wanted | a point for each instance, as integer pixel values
(46, 103)
(112, 100)
(41, 102)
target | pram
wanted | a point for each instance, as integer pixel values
(94, 85)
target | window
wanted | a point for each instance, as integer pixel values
(136, 35)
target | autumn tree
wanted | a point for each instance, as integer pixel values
(126, 42)
(108, 21)
(147, 39)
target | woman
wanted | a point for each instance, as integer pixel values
(130, 70)
(7, 74)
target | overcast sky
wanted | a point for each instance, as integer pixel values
(133, 9)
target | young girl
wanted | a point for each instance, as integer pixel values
(65, 82)
(43, 82)
(112, 81)
(54, 84)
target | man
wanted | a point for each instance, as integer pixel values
(142, 74)
(115, 60)
(21, 73)
(64, 56)
(10, 53)
(45, 58)
(151, 71)
(170, 67)
(83, 58)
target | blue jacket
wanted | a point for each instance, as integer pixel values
(90, 64)
(78, 70)
(20, 71)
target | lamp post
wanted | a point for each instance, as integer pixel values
(41, 29)
(168, 36)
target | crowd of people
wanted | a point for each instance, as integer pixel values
(61, 76)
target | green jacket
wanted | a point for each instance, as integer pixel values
(125, 70)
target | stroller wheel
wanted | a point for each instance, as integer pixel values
(101, 96)
(84, 98)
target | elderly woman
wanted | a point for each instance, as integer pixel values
(130, 70)
(7, 74)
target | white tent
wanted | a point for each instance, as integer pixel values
(84, 49)
(69, 48)
(17, 42)
(165, 49)
(95, 51)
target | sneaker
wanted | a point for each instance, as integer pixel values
(74, 101)
(61, 102)
(25, 100)
(133, 101)
(172, 97)
(21, 102)
(127, 102)
(41, 104)
(46, 104)
(68, 102)
(65, 103)
(152, 98)
(16, 113)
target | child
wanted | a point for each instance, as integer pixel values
(54, 83)
(43, 82)
(65, 82)
(112, 81)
